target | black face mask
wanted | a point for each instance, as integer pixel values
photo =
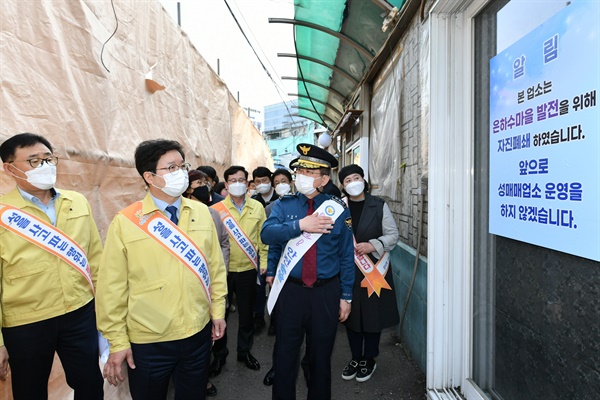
(202, 193)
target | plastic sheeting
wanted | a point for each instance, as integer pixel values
(54, 84)
(385, 150)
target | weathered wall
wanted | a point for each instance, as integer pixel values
(409, 203)
(411, 75)
(54, 84)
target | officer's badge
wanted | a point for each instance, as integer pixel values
(349, 223)
(304, 149)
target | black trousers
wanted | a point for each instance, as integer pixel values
(363, 345)
(186, 361)
(261, 297)
(31, 350)
(313, 312)
(244, 286)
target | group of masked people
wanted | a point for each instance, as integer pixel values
(157, 291)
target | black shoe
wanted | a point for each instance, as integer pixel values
(250, 361)
(365, 370)
(269, 377)
(211, 390)
(350, 370)
(216, 366)
(259, 324)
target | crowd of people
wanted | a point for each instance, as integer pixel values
(177, 262)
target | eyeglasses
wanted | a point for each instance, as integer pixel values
(174, 167)
(37, 162)
(241, 180)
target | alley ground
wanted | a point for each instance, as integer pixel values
(396, 377)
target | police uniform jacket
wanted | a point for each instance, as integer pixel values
(376, 226)
(145, 295)
(335, 251)
(37, 285)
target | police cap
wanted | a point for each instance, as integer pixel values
(313, 157)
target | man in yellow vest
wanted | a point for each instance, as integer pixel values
(243, 218)
(49, 255)
(162, 283)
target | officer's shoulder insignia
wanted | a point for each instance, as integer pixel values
(339, 201)
(349, 222)
(288, 196)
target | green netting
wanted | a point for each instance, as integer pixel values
(359, 20)
(319, 45)
(397, 3)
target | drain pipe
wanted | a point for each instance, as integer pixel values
(421, 191)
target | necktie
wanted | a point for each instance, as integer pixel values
(173, 211)
(309, 262)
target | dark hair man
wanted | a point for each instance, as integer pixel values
(162, 283)
(243, 217)
(49, 256)
(311, 268)
(263, 179)
(213, 179)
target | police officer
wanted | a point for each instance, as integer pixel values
(318, 292)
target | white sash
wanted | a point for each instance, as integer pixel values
(47, 237)
(296, 248)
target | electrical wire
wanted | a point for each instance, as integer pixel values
(259, 60)
(280, 82)
(110, 37)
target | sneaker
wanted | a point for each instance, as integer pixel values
(350, 370)
(365, 370)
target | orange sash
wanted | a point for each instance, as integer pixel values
(173, 240)
(237, 233)
(374, 274)
(46, 237)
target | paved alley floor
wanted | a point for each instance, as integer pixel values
(396, 377)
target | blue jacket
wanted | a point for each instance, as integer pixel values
(335, 251)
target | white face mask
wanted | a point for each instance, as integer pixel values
(305, 184)
(282, 189)
(263, 188)
(237, 189)
(175, 183)
(355, 188)
(42, 177)
(252, 192)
